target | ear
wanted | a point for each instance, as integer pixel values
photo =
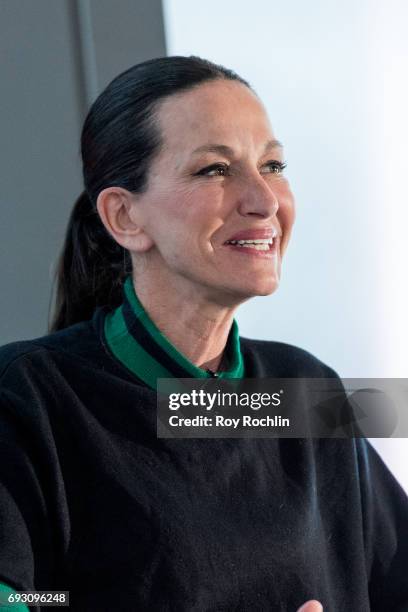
(121, 215)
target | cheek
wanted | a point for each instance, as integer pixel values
(195, 212)
(286, 216)
(165, 216)
(180, 224)
(286, 211)
(289, 212)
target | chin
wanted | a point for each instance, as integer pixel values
(269, 290)
(249, 290)
(260, 286)
(266, 289)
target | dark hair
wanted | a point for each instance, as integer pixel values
(119, 140)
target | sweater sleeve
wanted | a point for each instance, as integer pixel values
(25, 541)
(385, 519)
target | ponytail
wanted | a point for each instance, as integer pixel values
(91, 268)
(119, 139)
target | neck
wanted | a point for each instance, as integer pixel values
(195, 325)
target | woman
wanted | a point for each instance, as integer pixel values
(186, 214)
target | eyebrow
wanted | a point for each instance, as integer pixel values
(225, 150)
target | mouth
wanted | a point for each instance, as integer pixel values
(264, 247)
(262, 243)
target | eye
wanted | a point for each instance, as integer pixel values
(213, 170)
(274, 167)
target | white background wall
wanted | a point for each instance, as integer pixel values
(333, 76)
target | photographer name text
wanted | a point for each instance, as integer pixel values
(229, 422)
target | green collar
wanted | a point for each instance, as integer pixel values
(136, 341)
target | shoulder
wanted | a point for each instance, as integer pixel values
(79, 341)
(269, 358)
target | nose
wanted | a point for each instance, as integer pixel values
(257, 198)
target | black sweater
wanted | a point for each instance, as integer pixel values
(91, 501)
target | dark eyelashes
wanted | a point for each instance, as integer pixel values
(212, 167)
(280, 165)
(218, 166)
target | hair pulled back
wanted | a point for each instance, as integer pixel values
(118, 142)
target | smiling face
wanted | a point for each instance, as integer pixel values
(218, 178)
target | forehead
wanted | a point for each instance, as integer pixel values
(217, 111)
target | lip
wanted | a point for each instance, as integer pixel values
(272, 252)
(254, 234)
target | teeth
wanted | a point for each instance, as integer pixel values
(257, 247)
(264, 241)
(259, 244)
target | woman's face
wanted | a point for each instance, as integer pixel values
(217, 179)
